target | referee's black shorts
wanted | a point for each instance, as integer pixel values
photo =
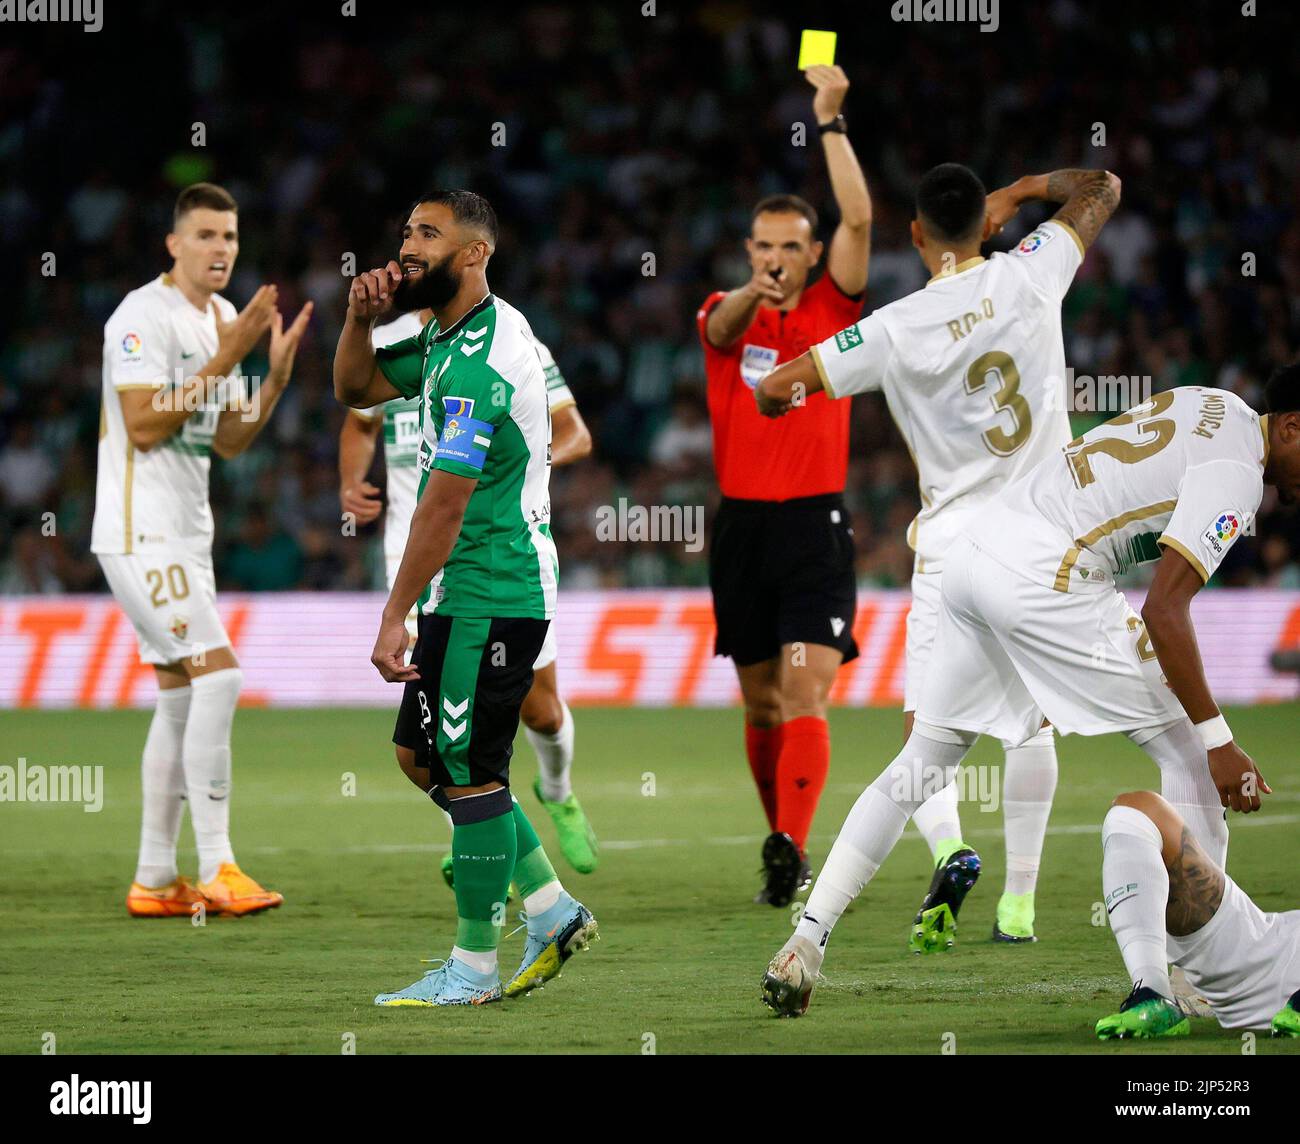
(782, 572)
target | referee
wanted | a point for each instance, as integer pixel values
(781, 556)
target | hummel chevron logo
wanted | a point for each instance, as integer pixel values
(475, 334)
(470, 351)
(454, 731)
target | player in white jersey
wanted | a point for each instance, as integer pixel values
(1032, 626)
(547, 720)
(1169, 902)
(973, 370)
(172, 395)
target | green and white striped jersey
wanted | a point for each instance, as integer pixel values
(484, 414)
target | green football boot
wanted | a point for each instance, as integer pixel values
(934, 928)
(1144, 1015)
(1015, 920)
(1287, 1022)
(577, 840)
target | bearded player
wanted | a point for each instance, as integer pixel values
(973, 369)
(173, 395)
(1032, 626)
(548, 722)
(781, 549)
(481, 564)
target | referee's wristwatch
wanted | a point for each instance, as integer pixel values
(839, 125)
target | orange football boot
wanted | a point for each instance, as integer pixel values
(175, 900)
(234, 893)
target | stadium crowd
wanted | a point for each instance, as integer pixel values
(621, 137)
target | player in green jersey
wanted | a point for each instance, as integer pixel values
(483, 520)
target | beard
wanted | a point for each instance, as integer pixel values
(434, 288)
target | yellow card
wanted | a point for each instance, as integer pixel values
(816, 48)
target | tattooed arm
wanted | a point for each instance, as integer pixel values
(1195, 887)
(1088, 199)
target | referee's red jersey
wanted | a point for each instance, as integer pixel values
(801, 455)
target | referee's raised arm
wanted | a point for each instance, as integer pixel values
(851, 244)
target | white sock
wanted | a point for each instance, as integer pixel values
(554, 757)
(479, 962)
(1135, 885)
(1186, 784)
(937, 818)
(926, 764)
(206, 754)
(542, 899)
(162, 780)
(1028, 784)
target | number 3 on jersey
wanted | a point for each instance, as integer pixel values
(997, 368)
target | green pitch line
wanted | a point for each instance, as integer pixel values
(683, 947)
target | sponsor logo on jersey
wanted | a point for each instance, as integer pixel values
(132, 345)
(458, 406)
(847, 339)
(1224, 530)
(756, 362)
(1035, 240)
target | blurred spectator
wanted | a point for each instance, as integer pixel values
(265, 558)
(624, 137)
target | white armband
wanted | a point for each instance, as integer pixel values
(1214, 732)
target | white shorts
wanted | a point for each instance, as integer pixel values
(170, 597)
(1244, 962)
(922, 623)
(550, 652)
(1009, 652)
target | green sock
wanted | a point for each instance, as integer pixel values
(533, 869)
(483, 856)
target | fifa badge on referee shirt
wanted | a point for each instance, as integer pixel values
(756, 362)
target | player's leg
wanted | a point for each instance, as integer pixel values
(809, 557)
(745, 620)
(762, 702)
(1028, 787)
(1185, 782)
(927, 763)
(215, 682)
(548, 723)
(973, 689)
(158, 889)
(1156, 879)
(441, 716)
(956, 864)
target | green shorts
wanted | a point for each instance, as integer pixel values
(461, 715)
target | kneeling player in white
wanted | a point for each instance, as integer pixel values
(1169, 901)
(547, 720)
(1033, 627)
(172, 395)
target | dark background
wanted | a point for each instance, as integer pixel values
(625, 134)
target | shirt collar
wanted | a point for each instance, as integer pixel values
(452, 330)
(957, 269)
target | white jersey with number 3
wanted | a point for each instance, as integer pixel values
(973, 370)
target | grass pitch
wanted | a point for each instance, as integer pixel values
(683, 948)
